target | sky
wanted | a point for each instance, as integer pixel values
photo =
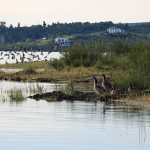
(33, 12)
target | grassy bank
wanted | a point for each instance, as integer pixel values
(79, 74)
(67, 73)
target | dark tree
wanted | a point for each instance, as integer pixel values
(44, 24)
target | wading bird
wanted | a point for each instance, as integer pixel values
(97, 88)
(106, 84)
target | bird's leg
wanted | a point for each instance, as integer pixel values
(98, 96)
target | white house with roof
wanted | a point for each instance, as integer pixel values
(62, 41)
(114, 30)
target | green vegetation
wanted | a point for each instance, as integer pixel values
(57, 64)
(16, 95)
(13, 34)
(140, 64)
(81, 56)
(97, 54)
(132, 60)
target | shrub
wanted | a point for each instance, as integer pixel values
(57, 64)
(82, 56)
(99, 64)
(140, 64)
(121, 62)
(119, 47)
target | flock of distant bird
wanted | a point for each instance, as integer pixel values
(23, 56)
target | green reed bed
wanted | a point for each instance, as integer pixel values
(15, 95)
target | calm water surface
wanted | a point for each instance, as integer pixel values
(39, 125)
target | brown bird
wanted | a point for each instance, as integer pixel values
(106, 84)
(97, 88)
(130, 88)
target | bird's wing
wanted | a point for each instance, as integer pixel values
(109, 85)
(99, 86)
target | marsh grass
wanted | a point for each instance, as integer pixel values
(26, 69)
(140, 64)
(57, 64)
(66, 89)
(142, 102)
(69, 88)
(15, 95)
(85, 56)
(36, 88)
(99, 65)
(121, 62)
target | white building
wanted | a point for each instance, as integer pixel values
(62, 41)
(114, 30)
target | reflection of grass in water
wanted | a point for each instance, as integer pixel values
(67, 89)
(70, 87)
(15, 95)
(36, 88)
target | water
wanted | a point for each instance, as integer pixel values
(39, 125)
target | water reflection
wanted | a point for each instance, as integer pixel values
(19, 91)
(70, 125)
(78, 125)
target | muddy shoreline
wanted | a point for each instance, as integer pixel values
(139, 102)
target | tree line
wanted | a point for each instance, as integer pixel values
(14, 34)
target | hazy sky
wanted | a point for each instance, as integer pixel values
(29, 12)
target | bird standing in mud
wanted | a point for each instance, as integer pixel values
(115, 93)
(130, 88)
(106, 84)
(132, 91)
(97, 88)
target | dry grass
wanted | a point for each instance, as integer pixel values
(78, 74)
(67, 73)
(142, 102)
(25, 65)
